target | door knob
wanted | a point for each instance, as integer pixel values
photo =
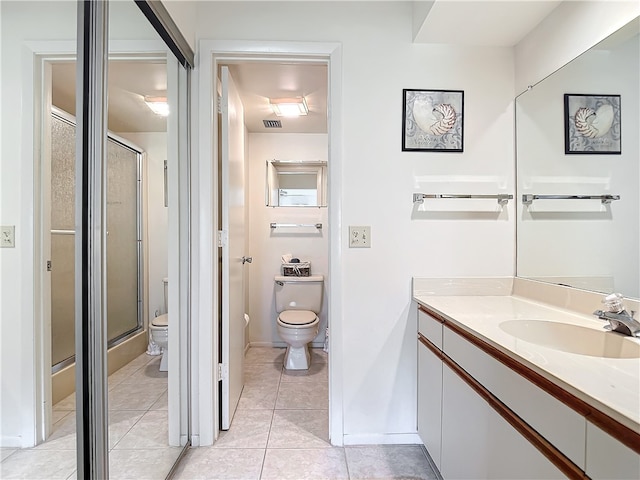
(247, 260)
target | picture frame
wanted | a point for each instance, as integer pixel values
(592, 124)
(432, 120)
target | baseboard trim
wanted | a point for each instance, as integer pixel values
(10, 442)
(382, 439)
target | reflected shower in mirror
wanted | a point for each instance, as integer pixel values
(296, 184)
(580, 242)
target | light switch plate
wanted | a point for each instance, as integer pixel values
(7, 236)
(359, 237)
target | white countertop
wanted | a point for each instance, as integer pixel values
(612, 385)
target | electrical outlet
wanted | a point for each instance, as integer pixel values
(7, 236)
(359, 237)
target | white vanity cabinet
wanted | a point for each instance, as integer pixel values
(559, 424)
(461, 429)
(430, 386)
(478, 443)
(514, 404)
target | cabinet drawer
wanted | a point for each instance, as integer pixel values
(555, 421)
(430, 327)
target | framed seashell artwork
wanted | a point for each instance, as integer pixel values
(592, 124)
(432, 120)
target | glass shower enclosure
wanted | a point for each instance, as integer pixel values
(124, 240)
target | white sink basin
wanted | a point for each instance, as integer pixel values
(573, 338)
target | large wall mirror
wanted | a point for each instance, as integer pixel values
(563, 235)
(296, 184)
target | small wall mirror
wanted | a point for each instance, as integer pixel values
(296, 184)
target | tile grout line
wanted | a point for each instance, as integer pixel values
(273, 416)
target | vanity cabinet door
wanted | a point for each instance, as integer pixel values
(608, 458)
(430, 401)
(478, 443)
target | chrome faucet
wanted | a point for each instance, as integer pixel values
(620, 319)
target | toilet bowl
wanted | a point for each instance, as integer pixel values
(160, 335)
(298, 301)
(298, 328)
(159, 330)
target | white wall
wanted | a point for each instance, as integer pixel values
(183, 14)
(155, 146)
(266, 246)
(568, 31)
(376, 318)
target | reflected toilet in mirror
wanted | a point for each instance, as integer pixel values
(159, 332)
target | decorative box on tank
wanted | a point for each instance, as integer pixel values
(301, 269)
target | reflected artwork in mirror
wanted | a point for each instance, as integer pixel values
(592, 124)
(296, 184)
(574, 238)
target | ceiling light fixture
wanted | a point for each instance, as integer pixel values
(158, 105)
(289, 107)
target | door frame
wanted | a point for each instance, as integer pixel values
(205, 189)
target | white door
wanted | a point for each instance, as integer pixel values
(232, 188)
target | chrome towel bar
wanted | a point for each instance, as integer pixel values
(502, 198)
(528, 198)
(287, 225)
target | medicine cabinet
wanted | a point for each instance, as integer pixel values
(296, 183)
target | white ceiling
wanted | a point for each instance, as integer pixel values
(257, 82)
(482, 23)
(129, 82)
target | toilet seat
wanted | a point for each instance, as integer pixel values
(297, 318)
(160, 321)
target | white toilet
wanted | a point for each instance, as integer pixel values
(298, 302)
(160, 330)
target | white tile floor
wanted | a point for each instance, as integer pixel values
(137, 431)
(280, 431)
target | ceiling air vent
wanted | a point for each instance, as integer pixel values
(272, 123)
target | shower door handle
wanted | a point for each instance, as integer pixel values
(247, 260)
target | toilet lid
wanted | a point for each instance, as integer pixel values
(297, 317)
(161, 321)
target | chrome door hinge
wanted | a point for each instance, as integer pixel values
(223, 238)
(219, 104)
(223, 371)
(48, 265)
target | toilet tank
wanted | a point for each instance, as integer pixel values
(298, 293)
